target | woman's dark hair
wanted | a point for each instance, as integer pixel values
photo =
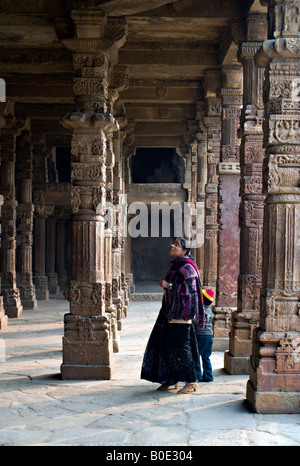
(184, 245)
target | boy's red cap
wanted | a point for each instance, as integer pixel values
(209, 294)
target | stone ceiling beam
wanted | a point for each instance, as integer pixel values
(130, 7)
(42, 111)
(160, 112)
(38, 7)
(47, 126)
(134, 111)
(40, 89)
(35, 60)
(19, 30)
(155, 128)
(158, 141)
(184, 8)
(179, 63)
(162, 91)
(178, 29)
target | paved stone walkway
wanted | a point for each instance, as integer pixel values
(37, 408)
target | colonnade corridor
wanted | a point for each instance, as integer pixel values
(116, 113)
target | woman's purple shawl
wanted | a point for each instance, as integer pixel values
(184, 300)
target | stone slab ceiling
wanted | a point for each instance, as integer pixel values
(170, 45)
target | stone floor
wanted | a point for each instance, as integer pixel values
(37, 408)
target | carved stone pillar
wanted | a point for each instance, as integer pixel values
(274, 385)
(117, 291)
(229, 201)
(40, 172)
(61, 251)
(40, 279)
(213, 124)
(109, 241)
(25, 221)
(51, 254)
(127, 282)
(251, 209)
(199, 178)
(10, 291)
(87, 342)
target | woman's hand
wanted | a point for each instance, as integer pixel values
(163, 284)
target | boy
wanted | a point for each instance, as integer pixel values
(205, 340)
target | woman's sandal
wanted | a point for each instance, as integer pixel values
(166, 387)
(188, 388)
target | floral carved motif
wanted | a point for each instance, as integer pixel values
(288, 355)
(92, 171)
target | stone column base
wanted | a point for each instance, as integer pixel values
(221, 327)
(42, 295)
(12, 303)
(14, 312)
(28, 297)
(87, 347)
(220, 344)
(236, 365)
(41, 288)
(273, 402)
(53, 283)
(3, 321)
(29, 304)
(88, 372)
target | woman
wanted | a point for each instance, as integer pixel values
(171, 354)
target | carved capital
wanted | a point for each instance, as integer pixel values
(87, 120)
(94, 32)
(247, 50)
(212, 83)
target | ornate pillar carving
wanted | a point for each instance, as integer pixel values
(61, 247)
(40, 172)
(229, 180)
(128, 151)
(25, 211)
(41, 212)
(274, 385)
(118, 80)
(10, 291)
(51, 254)
(245, 319)
(40, 279)
(118, 292)
(87, 342)
(199, 178)
(213, 123)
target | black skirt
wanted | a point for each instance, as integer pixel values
(171, 354)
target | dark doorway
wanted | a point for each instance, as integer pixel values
(150, 258)
(155, 165)
(63, 164)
